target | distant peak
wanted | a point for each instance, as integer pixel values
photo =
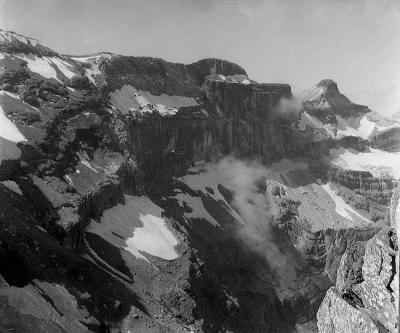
(328, 85)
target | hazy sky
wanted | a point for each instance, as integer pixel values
(354, 42)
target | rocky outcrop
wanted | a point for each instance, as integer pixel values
(365, 297)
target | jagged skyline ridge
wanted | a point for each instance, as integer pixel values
(299, 43)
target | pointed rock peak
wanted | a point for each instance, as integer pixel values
(328, 85)
(325, 96)
(325, 89)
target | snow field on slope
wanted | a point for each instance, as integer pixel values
(139, 226)
(307, 120)
(40, 66)
(128, 99)
(93, 61)
(341, 207)
(317, 206)
(93, 58)
(313, 93)
(378, 162)
(13, 186)
(363, 127)
(63, 66)
(45, 66)
(235, 78)
(8, 130)
(9, 136)
(83, 159)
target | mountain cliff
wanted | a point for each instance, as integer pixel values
(143, 195)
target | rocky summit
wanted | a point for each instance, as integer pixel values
(140, 195)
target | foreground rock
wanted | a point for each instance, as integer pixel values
(366, 295)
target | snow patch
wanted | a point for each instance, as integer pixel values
(9, 136)
(362, 128)
(129, 99)
(13, 186)
(93, 58)
(46, 66)
(92, 72)
(380, 163)
(137, 226)
(94, 62)
(40, 65)
(69, 179)
(327, 130)
(341, 207)
(316, 97)
(235, 78)
(10, 94)
(308, 120)
(87, 164)
(63, 66)
(8, 130)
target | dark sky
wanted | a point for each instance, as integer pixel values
(300, 42)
